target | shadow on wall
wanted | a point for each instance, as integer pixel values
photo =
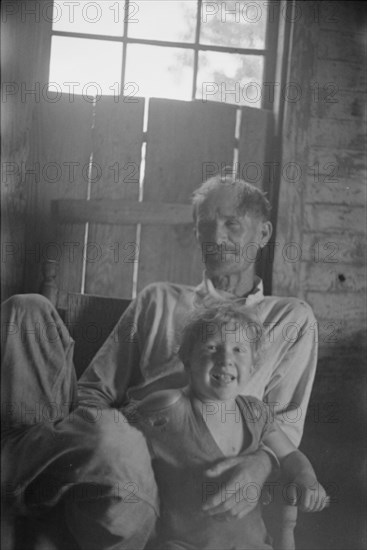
(335, 442)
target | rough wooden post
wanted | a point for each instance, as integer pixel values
(49, 289)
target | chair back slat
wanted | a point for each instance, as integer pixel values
(90, 319)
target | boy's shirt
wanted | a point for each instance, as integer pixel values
(182, 448)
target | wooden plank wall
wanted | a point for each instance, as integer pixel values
(182, 139)
(25, 52)
(117, 141)
(60, 147)
(321, 221)
(49, 140)
(323, 210)
(186, 143)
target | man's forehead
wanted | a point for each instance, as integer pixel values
(220, 201)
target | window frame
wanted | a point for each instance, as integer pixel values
(269, 52)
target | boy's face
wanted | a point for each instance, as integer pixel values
(221, 362)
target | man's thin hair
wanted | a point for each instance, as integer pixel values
(251, 200)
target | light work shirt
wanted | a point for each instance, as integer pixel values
(141, 353)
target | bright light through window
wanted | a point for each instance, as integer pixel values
(93, 66)
(104, 17)
(152, 66)
(230, 78)
(160, 72)
(173, 20)
(233, 23)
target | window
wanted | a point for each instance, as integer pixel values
(180, 49)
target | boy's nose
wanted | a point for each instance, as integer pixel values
(225, 359)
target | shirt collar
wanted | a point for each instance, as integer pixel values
(206, 290)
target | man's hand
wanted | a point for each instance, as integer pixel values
(237, 483)
(307, 493)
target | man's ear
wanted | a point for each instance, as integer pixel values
(266, 232)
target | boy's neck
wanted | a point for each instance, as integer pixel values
(215, 411)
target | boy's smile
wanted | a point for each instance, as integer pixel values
(221, 363)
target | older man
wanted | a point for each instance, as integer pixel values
(89, 454)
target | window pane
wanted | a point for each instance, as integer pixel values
(236, 24)
(230, 78)
(103, 17)
(157, 71)
(83, 61)
(162, 20)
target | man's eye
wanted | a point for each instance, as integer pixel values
(211, 347)
(238, 349)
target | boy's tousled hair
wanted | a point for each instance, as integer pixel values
(220, 314)
(251, 200)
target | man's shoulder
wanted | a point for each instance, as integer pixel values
(163, 289)
(288, 305)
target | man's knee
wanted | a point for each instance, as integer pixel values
(27, 302)
(114, 435)
(119, 462)
(24, 309)
(114, 440)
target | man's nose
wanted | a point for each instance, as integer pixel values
(220, 233)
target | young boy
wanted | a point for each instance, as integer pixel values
(189, 430)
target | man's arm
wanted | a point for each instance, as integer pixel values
(303, 490)
(294, 352)
(140, 349)
(245, 476)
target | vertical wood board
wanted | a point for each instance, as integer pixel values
(187, 143)
(25, 52)
(59, 158)
(117, 142)
(253, 149)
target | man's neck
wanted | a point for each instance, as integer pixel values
(239, 284)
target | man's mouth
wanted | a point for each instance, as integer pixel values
(221, 254)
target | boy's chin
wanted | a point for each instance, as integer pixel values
(225, 395)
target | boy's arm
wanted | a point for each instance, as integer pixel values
(304, 489)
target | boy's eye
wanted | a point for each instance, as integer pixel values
(238, 349)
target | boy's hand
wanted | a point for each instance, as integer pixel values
(235, 485)
(307, 493)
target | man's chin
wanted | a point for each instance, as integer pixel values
(222, 269)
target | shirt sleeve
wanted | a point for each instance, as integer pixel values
(288, 391)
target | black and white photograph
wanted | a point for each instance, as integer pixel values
(183, 275)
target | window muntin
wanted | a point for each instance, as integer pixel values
(178, 49)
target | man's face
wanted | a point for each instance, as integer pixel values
(229, 241)
(221, 363)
